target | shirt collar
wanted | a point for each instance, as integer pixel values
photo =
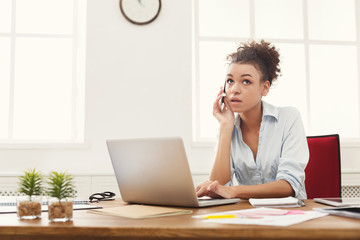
(268, 110)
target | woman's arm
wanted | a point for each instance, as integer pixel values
(279, 188)
(295, 154)
(221, 168)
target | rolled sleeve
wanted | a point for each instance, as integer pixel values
(295, 180)
(295, 155)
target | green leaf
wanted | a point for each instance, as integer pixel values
(61, 185)
(31, 183)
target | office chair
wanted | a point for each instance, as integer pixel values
(323, 172)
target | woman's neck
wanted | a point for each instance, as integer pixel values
(251, 120)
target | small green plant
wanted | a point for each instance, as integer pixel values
(60, 185)
(31, 183)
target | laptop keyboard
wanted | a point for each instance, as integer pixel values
(207, 199)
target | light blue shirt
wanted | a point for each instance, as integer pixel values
(282, 152)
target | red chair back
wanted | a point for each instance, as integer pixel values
(323, 172)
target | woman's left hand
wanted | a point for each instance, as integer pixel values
(214, 189)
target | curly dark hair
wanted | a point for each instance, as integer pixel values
(263, 55)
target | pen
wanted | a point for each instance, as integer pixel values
(220, 216)
(301, 203)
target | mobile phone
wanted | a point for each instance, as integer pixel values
(221, 101)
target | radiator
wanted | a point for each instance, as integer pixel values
(346, 191)
(350, 191)
(10, 193)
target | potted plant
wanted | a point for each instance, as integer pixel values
(61, 192)
(30, 184)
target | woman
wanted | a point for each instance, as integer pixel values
(264, 146)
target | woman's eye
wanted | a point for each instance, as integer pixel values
(229, 81)
(246, 82)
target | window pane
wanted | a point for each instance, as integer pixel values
(212, 70)
(5, 46)
(332, 20)
(44, 16)
(43, 89)
(290, 88)
(279, 19)
(334, 90)
(5, 16)
(224, 18)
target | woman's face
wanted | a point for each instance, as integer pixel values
(244, 88)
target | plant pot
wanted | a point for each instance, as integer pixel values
(29, 207)
(60, 210)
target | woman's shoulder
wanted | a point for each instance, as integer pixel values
(289, 117)
(289, 110)
(284, 114)
(280, 111)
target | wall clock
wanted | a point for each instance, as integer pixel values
(140, 12)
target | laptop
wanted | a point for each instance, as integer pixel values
(338, 202)
(155, 171)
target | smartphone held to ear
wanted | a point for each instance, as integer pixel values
(221, 101)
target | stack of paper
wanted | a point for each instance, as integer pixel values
(276, 202)
(261, 216)
(141, 211)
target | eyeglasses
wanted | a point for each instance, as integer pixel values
(105, 196)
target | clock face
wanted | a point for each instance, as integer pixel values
(140, 11)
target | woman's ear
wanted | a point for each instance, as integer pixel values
(265, 88)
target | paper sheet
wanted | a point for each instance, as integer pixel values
(262, 216)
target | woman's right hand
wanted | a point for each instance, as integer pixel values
(226, 117)
(214, 189)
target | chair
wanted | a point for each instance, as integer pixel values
(323, 172)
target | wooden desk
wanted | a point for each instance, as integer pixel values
(91, 226)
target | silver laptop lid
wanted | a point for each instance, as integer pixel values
(153, 171)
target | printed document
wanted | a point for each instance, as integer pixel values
(262, 216)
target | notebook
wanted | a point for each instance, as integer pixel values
(338, 202)
(155, 171)
(8, 204)
(276, 202)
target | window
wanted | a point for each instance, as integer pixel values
(319, 58)
(41, 74)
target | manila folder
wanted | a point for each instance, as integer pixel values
(140, 211)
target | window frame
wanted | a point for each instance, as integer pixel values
(78, 37)
(306, 42)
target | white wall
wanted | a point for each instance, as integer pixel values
(138, 84)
